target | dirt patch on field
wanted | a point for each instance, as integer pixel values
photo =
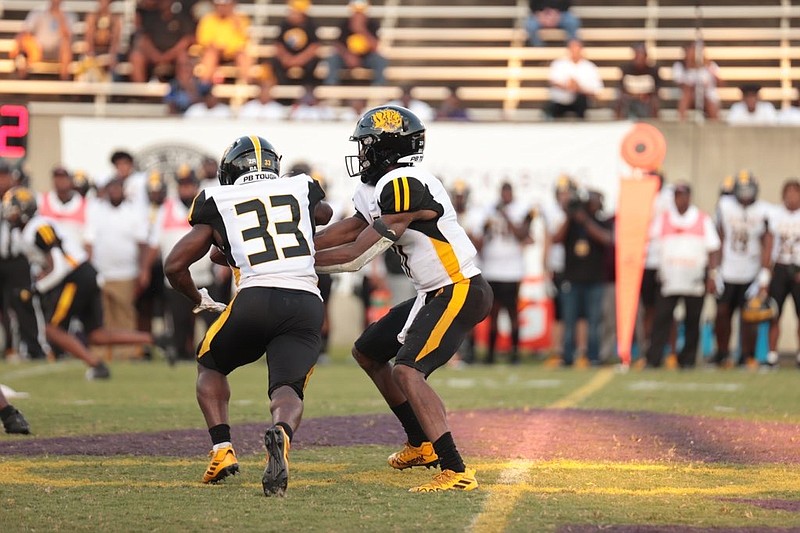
(535, 434)
(793, 506)
(671, 529)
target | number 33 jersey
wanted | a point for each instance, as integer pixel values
(265, 229)
(742, 227)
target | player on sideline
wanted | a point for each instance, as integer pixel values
(66, 280)
(405, 207)
(264, 226)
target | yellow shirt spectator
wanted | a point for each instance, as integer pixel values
(228, 33)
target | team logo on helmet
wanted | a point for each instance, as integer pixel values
(387, 120)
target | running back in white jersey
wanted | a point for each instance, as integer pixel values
(434, 253)
(743, 227)
(265, 228)
(785, 225)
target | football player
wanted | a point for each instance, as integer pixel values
(67, 282)
(403, 206)
(742, 222)
(264, 227)
(785, 225)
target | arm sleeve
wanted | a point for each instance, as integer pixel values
(46, 238)
(402, 195)
(315, 192)
(203, 210)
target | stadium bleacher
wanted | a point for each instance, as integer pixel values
(479, 48)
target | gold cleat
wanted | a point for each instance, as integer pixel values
(223, 464)
(409, 456)
(449, 480)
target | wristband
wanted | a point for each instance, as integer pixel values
(384, 231)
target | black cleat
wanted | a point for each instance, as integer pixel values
(16, 423)
(276, 474)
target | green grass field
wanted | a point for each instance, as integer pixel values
(349, 488)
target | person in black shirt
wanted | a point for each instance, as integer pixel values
(296, 46)
(585, 237)
(162, 38)
(357, 46)
(638, 87)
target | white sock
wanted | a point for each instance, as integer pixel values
(221, 445)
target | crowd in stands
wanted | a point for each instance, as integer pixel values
(194, 44)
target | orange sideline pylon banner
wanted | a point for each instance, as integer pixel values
(634, 210)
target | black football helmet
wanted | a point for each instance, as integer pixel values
(19, 206)
(248, 155)
(387, 135)
(745, 187)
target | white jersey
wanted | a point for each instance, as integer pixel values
(785, 225)
(267, 229)
(502, 257)
(742, 228)
(41, 235)
(435, 253)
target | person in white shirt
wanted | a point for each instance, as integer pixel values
(505, 230)
(172, 223)
(135, 181)
(743, 225)
(64, 205)
(695, 72)
(790, 116)
(751, 110)
(309, 108)
(689, 247)
(263, 107)
(574, 82)
(208, 107)
(116, 237)
(424, 111)
(785, 225)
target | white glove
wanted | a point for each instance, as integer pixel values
(720, 284)
(753, 290)
(207, 303)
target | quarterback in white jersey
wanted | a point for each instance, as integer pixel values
(407, 208)
(264, 226)
(743, 224)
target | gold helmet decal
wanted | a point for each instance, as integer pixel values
(23, 195)
(387, 120)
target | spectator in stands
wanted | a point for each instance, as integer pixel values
(551, 14)
(418, 107)
(296, 46)
(505, 230)
(638, 87)
(63, 204)
(46, 36)
(134, 181)
(353, 110)
(693, 72)
(116, 238)
(785, 225)
(103, 35)
(689, 250)
(574, 82)
(309, 108)
(162, 39)
(208, 172)
(452, 107)
(223, 36)
(263, 107)
(185, 89)
(790, 116)
(170, 226)
(585, 236)
(751, 110)
(208, 106)
(357, 46)
(743, 225)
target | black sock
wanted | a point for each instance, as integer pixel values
(220, 433)
(7, 411)
(449, 458)
(414, 432)
(287, 429)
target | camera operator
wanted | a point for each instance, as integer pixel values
(585, 236)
